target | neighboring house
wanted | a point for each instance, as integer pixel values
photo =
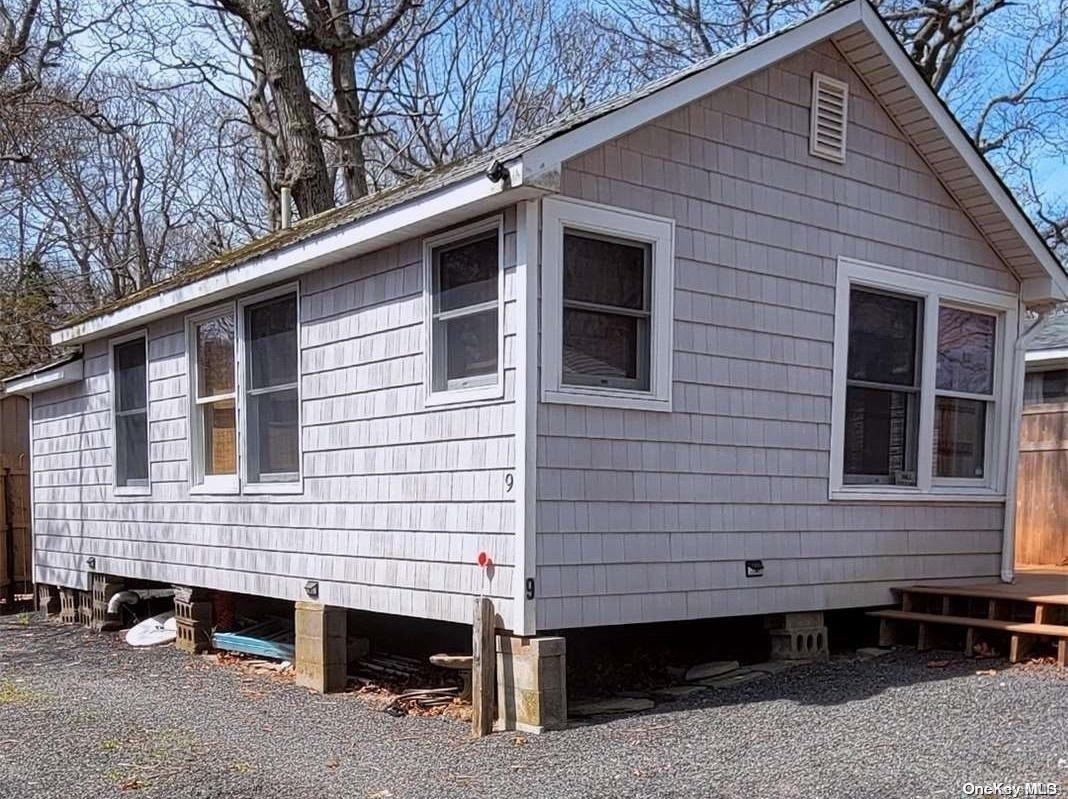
(1042, 525)
(765, 309)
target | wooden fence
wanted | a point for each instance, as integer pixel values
(1042, 490)
(16, 546)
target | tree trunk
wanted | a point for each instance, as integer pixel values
(347, 106)
(306, 169)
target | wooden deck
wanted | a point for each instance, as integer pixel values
(1047, 585)
(1032, 612)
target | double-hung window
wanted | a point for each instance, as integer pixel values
(214, 400)
(271, 403)
(464, 279)
(129, 364)
(606, 306)
(245, 371)
(918, 405)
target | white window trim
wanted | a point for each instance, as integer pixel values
(270, 487)
(486, 391)
(659, 232)
(200, 483)
(935, 292)
(129, 490)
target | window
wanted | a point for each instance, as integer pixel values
(918, 405)
(1046, 386)
(271, 403)
(964, 393)
(129, 363)
(245, 397)
(464, 277)
(883, 388)
(606, 306)
(606, 311)
(214, 401)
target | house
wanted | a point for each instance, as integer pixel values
(746, 341)
(1041, 531)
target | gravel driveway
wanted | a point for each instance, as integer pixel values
(82, 715)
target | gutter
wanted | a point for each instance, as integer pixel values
(1019, 362)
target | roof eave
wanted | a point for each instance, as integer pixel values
(417, 216)
(47, 377)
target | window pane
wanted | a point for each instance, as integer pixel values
(605, 271)
(274, 447)
(131, 449)
(965, 351)
(130, 383)
(271, 334)
(884, 333)
(470, 346)
(219, 426)
(466, 273)
(1046, 386)
(215, 356)
(605, 349)
(880, 436)
(960, 437)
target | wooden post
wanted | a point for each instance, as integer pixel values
(483, 667)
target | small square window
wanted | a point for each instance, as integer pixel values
(607, 306)
(607, 333)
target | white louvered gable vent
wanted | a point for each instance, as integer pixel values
(830, 112)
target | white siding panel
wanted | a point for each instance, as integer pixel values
(398, 498)
(650, 516)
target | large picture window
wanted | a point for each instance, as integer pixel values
(918, 404)
(607, 310)
(129, 362)
(464, 280)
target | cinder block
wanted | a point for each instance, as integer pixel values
(85, 608)
(193, 620)
(531, 684)
(48, 600)
(321, 647)
(68, 605)
(801, 644)
(104, 587)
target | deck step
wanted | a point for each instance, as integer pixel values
(1017, 627)
(980, 592)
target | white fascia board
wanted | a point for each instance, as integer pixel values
(49, 378)
(1034, 290)
(424, 214)
(1047, 356)
(550, 155)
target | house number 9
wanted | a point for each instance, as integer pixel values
(509, 481)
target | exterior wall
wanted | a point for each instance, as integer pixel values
(398, 499)
(646, 516)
